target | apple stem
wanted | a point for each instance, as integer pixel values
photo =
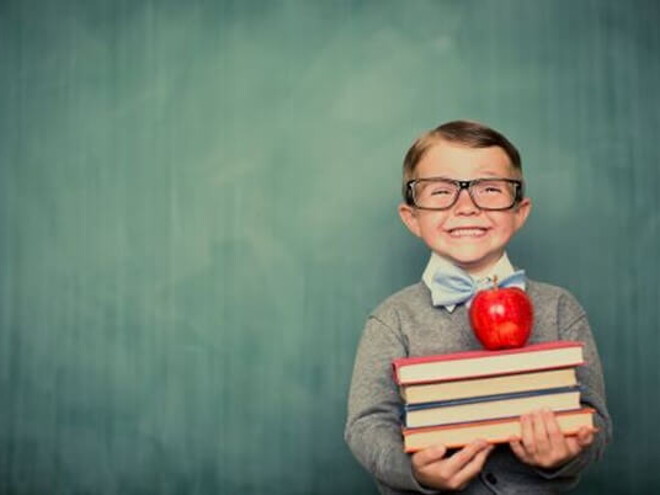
(495, 280)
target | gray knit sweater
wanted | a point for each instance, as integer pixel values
(406, 324)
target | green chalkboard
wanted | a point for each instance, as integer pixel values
(198, 210)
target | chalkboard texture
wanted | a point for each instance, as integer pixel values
(198, 211)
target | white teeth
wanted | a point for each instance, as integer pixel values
(466, 232)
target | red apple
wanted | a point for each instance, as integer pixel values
(502, 318)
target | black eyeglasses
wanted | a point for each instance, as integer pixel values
(439, 193)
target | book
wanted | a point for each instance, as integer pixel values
(492, 385)
(490, 407)
(482, 363)
(493, 431)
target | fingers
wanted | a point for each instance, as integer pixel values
(542, 442)
(428, 456)
(528, 434)
(473, 467)
(466, 455)
(465, 464)
(518, 449)
(552, 428)
(572, 446)
(454, 472)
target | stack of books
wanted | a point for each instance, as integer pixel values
(454, 399)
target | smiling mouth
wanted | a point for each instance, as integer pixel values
(468, 232)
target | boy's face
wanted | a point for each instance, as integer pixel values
(471, 238)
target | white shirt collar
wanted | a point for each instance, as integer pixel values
(502, 269)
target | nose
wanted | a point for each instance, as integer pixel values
(464, 204)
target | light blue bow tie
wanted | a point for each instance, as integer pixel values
(453, 286)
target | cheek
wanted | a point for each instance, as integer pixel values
(505, 221)
(432, 220)
(508, 228)
(430, 229)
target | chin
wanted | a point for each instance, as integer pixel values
(474, 263)
(466, 264)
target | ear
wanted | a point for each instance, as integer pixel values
(522, 211)
(410, 219)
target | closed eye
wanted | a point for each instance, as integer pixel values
(438, 191)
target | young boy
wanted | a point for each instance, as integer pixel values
(464, 197)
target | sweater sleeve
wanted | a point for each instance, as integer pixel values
(573, 325)
(373, 426)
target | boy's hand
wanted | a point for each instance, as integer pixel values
(543, 444)
(434, 470)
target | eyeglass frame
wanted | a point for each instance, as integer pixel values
(467, 185)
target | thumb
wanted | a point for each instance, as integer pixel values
(585, 437)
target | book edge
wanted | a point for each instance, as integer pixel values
(585, 411)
